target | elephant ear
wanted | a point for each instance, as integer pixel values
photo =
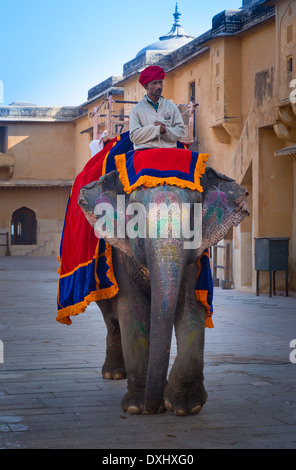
(224, 206)
(104, 192)
(212, 178)
(111, 183)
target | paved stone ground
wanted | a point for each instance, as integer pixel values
(53, 396)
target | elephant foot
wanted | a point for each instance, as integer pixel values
(185, 399)
(133, 404)
(115, 373)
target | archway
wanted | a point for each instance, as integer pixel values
(23, 227)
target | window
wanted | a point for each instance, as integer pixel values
(192, 98)
(192, 91)
(289, 64)
(217, 70)
(23, 227)
(218, 93)
(290, 34)
(3, 139)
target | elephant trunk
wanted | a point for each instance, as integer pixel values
(166, 266)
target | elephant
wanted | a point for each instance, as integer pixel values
(156, 278)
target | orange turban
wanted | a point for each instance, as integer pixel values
(151, 73)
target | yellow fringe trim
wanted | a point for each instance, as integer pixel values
(107, 293)
(151, 181)
(202, 297)
(64, 314)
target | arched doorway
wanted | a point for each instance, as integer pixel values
(23, 227)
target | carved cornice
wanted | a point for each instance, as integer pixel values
(287, 115)
(226, 128)
(289, 152)
(285, 132)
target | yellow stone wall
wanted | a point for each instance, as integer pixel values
(239, 82)
(42, 150)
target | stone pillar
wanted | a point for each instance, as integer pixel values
(292, 157)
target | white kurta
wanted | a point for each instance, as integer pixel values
(143, 132)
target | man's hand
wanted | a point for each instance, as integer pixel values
(163, 128)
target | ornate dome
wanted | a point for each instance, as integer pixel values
(174, 39)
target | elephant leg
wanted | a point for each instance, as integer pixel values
(133, 310)
(113, 367)
(185, 393)
(134, 313)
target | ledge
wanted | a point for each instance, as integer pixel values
(20, 184)
(102, 87)
(287, 152)
(7, 161)
(39, 113)
(226, 128)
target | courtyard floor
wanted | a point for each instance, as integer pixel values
(52, 395)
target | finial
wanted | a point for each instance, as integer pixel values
(177, 15)
(177, 31)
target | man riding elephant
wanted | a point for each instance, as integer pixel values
(146, 285)
(155, 122)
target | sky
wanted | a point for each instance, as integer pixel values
(53, 51)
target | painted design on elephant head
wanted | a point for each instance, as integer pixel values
(216, 205)
(167, 199)
(116, 213)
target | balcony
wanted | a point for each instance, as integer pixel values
(7, 164)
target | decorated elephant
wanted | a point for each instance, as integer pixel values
(157, 279)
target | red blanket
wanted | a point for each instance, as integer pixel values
(86, 272)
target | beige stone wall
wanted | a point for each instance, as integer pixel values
(239, 82)
(49, 206)
(42, 150)
(133, 90)
(237, 89)
(286, 45)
